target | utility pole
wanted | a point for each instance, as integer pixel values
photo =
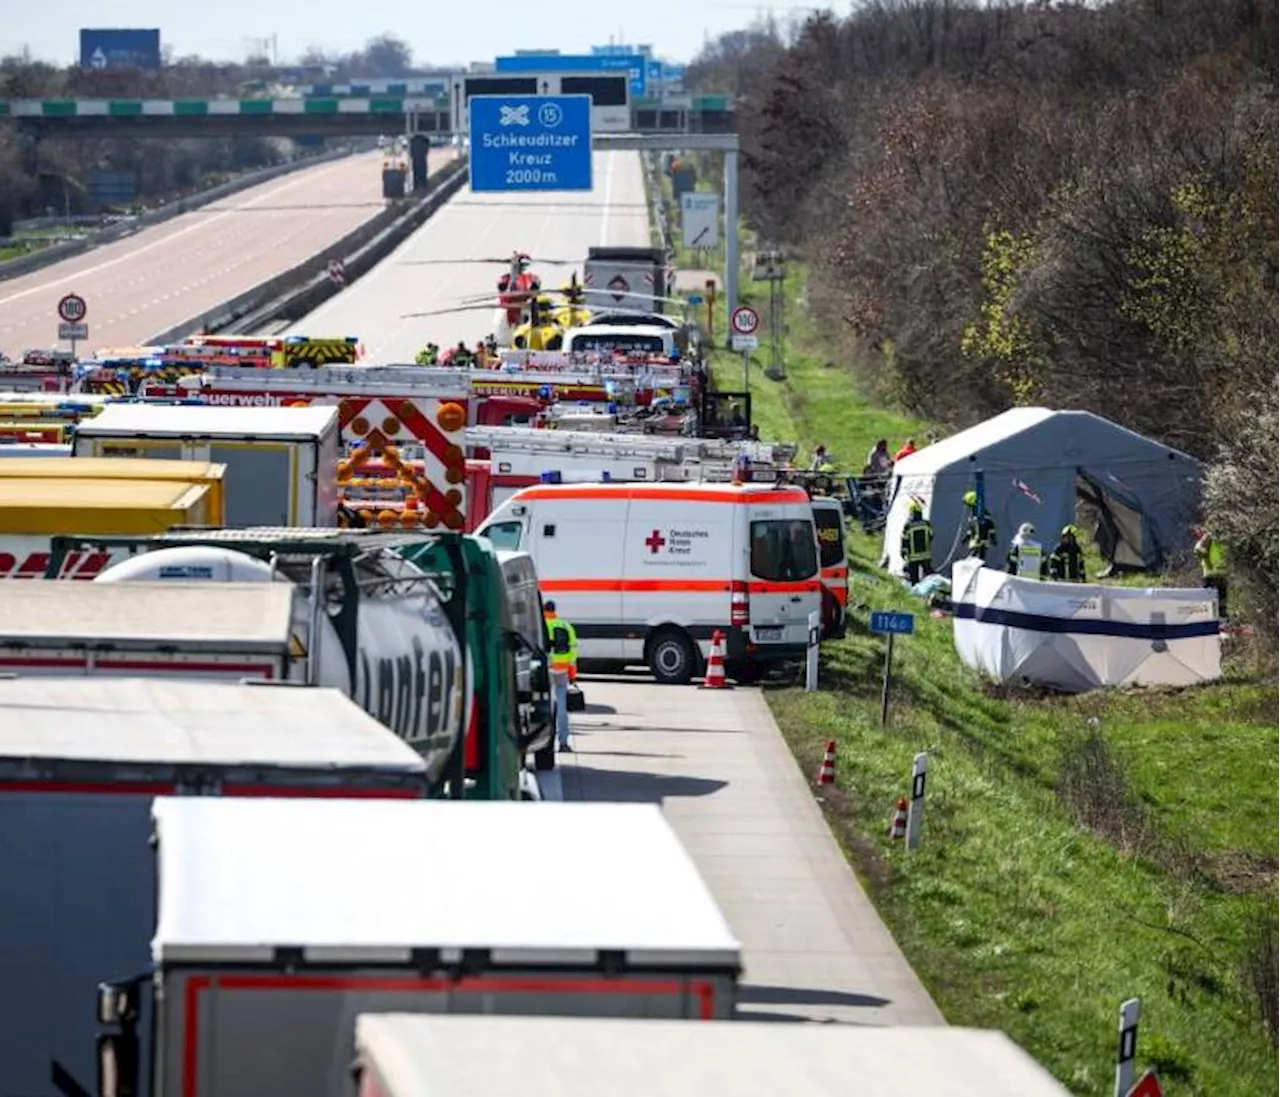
(770, 268)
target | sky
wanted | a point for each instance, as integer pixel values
(438, 33)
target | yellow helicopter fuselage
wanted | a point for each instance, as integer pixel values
(541, 336)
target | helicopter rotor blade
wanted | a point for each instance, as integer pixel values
(505, 261)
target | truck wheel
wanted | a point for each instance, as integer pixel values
(672, 657)
(545, 759)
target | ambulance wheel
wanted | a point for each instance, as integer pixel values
(672, 659)
(545, 759)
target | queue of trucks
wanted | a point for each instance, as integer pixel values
(368, 548)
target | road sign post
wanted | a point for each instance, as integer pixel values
(72, 310)
(1127, 1048)
(915, 811)
(530, 143)
(743, 322)
(811, 654)
(887, 623)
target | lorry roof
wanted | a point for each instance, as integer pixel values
(156, 722)
(111, 468)
(240, 617)
(58, 505)
(425, 1055)
(372, 880)
(200, 420)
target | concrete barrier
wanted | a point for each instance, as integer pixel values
(56, 253)
(304, 287)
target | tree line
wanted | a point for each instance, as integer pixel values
(1067, 204)
(52, 175)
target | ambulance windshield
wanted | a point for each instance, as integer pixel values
(624, 342)
(782, 551)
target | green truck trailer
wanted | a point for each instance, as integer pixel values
(416, 627)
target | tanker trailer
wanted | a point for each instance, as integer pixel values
(386, 634)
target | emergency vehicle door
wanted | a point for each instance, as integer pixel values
(577, 544)
(783, 586)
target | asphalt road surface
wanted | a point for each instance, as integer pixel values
(462, 251)
(814, 947)
(162, 276)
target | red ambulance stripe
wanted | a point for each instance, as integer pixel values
(666, 495)
(197, 984)
(676, 586)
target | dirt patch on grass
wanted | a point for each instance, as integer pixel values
(1240, 871)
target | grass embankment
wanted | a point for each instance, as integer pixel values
(1065, 866)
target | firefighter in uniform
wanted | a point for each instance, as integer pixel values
(980, 530)
(1026, 555)
(564, 668)
(917, 544)
(1066, 561)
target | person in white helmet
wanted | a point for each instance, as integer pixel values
(1027, 557)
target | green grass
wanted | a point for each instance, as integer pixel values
(1017, 913)
(1014, 916)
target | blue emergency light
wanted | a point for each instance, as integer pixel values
(550, 477)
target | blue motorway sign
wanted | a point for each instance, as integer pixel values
(653, 72)
(634, 64)
(530, 142)
(119, 49)
(882, 620)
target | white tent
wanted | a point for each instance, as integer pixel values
(1077, 636)
(1034, 465)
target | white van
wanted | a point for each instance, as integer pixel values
(633, 339)
(648, 572)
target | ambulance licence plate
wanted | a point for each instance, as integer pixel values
(769, 632)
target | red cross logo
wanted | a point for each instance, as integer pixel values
(655, 541)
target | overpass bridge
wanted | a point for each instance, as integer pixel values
(317, 116)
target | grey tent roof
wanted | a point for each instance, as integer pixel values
(1030, 438)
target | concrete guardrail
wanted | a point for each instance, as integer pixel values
(56, 253)
(304, 287)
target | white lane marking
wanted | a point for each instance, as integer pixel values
(198, 224)
(608, 198)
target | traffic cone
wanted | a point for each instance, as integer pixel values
(715, 676)
(898, 828)
(827, 771)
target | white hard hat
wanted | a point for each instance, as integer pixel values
(1026, 530)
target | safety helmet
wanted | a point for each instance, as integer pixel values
(971, 498)
(1070, 530)
(1026, 530)
(915, 510)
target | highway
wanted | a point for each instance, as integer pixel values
(439, 265)
(149, 282)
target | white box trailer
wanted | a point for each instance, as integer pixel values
(81, 760)
(412, 1056)
(282, 462)
(280, 921)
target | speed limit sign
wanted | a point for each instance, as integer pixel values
(72, 308)
(745, 320)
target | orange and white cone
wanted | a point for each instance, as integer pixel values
(827, 771)
(715, 676)
(898, 828)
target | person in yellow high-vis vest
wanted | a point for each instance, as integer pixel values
(563, 665)
(1212, 555)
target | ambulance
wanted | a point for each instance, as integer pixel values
(648, 572)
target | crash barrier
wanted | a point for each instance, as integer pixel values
(304, 287)
(46, 257)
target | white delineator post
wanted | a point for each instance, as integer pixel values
(811, 655)
(915, 812)
(1127, 1048)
